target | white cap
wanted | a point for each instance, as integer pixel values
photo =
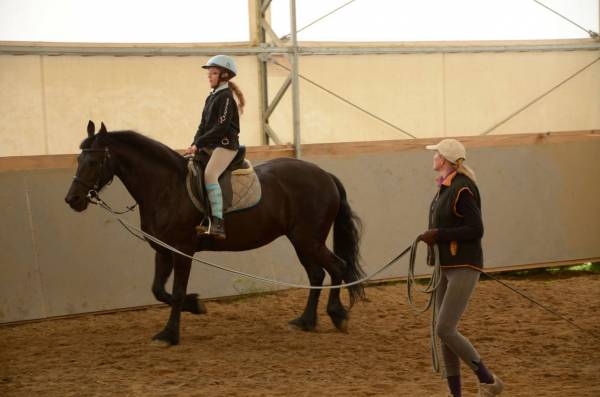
(451, 149)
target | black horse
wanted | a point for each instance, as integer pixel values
(299, 200)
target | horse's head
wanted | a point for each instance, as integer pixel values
(95, 168)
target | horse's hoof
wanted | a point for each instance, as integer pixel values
(342, 325)
(200, 307)
(300, 324)
(194, 304)
(159, 343)
(165, 338)
(340, 320)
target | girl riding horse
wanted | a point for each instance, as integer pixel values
(217, 135)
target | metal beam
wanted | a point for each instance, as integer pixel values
(14, 49)
(278, 97)
(263, 95)
(263, 86)
(295, 80)
(273, 135)
(134, 51)
(292, 79)
(271, 32)
(264, 6)
(360, 50)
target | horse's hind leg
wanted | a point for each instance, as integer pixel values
(163, 266)
(308, 320)
(335, 266)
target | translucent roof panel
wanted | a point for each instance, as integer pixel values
(124, 21)
(437, 20)
(181, 21)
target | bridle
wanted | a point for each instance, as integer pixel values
(93, 189)
(93, 195)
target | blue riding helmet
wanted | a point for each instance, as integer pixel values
(222, 61)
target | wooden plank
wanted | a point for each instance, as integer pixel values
(269, 152)
(352, 148)
(18, 163)
(333, 149)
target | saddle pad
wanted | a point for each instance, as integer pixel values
(244, 187)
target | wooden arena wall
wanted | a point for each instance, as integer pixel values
(540, 204)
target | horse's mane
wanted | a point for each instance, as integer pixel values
(148, 146)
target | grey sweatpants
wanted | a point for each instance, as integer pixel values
(451, 299)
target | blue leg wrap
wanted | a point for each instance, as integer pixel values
(216, 199)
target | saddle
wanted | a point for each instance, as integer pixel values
(239, 183)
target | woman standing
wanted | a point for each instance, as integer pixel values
(455, 230)
(217, 134)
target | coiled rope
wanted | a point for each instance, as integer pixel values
(430, 289)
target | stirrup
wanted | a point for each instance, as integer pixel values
(202, 228)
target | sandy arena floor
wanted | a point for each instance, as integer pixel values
(245, 348)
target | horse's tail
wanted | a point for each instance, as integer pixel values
(346, 243)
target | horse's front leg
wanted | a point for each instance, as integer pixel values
(163, 265)
(170, 334)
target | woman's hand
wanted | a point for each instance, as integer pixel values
(191, 150)
(429, 237)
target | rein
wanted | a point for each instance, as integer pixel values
(94, 198)
(148, 237)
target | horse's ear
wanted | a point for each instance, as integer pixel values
(91, 128)
(102, 129)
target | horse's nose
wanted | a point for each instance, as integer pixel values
(72, 198)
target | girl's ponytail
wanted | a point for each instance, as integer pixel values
(240, 96)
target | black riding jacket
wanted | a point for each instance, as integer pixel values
(220, 123)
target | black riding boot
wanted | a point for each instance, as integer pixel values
(217, 228)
